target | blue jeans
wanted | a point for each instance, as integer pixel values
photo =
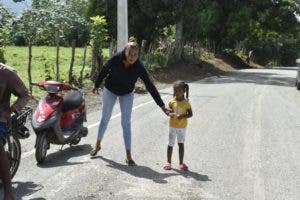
(3, 131)
(108, 102)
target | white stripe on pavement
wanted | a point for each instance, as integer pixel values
(29, 153)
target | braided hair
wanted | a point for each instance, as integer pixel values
(184, 86)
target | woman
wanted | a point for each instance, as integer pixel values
(121, 73)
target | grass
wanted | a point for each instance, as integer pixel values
(17, 57)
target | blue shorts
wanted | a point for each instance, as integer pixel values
(3, 131)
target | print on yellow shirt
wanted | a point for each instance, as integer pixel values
(179, 107)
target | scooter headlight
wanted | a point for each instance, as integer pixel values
(52, 88)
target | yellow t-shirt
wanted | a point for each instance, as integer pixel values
(179, 107)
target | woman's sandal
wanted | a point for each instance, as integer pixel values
(95, 150)
(130, 162)
(167, 166)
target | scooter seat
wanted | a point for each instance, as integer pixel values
(72, 100)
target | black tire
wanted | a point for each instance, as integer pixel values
(75, 141)
(42, 145)
(298, 85)
(14, 155)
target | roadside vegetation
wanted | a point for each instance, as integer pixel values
(43, 63)
(70, 40)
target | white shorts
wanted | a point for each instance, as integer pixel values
(176, 132)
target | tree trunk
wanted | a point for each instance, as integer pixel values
(83, 65)
(99, 64)
(57, 54)
(193, 50)
(95, 52)
(178, 40)
(146, 47)
(179, 31)
(141, 46)
(29, 66)
(148, 55)
(113, 47)
(72, 62)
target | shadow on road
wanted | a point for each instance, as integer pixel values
(61, 157)
(191, 174)
(139, 171)
(148, 173)
(22, 189)
(255, 78)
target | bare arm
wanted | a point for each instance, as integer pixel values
(19, 89)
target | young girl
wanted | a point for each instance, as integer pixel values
(181, 110)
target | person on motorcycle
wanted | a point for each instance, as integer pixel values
(10, 83)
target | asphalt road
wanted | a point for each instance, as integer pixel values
(242, 143)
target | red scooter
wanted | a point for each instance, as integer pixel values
(58, 118)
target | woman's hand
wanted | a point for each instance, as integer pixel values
(166, 110)
(95, 90)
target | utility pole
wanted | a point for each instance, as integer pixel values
(122, 35)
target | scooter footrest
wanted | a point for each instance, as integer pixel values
(84, 131)
(23, 133)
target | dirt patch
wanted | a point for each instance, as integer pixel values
(187, 72)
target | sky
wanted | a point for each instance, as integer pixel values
(16, 7)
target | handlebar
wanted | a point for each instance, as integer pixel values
(63, 86)
(19, 119)
(74, 88)
(34, 84)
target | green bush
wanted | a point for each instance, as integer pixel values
(154, 60)
(288, 54)
(49, 71)
(229, 52)
(159, 58)
(2, 60)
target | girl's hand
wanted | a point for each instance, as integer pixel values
(171, 114)
(181, 116)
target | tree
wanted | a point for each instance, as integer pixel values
(98, 37)
(29, 26)
(57, 23)
(65, 24)
(3, 41)
(147, 19)
(178, 47)
(78, 29)
(6, 19)
(108, 9)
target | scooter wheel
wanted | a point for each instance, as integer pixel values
(14, 155)
(76, 141)
(41, 147)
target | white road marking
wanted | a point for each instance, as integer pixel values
(29, 153)
(258, 184)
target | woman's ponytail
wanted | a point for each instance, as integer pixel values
(132, 39)
(132, 44)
